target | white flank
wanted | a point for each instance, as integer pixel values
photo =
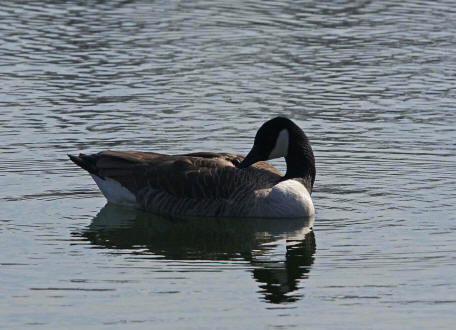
(114, 191)
(288, 199)
(281, 146)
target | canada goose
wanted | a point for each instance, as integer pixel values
(213, 184)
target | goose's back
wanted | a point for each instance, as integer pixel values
(190, 184)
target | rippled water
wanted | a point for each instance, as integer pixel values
(372, 84)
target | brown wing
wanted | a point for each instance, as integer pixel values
(194, 176)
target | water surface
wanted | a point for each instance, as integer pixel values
(371, 83)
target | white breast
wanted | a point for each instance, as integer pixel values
(288, 199)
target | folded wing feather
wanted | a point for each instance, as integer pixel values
(195, 176)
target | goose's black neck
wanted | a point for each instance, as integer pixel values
(300, 159)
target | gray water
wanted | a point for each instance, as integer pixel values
(371, 83)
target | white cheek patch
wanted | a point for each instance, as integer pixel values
(281, 146)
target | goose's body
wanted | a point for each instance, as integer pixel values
(206, 184)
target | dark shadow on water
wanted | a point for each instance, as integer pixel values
(281, 251)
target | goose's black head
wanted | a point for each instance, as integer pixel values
(280, 137)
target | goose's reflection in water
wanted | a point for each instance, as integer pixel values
(281, 251)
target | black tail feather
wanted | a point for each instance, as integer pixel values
(87, 162)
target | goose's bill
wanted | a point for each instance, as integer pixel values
(253, 157)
